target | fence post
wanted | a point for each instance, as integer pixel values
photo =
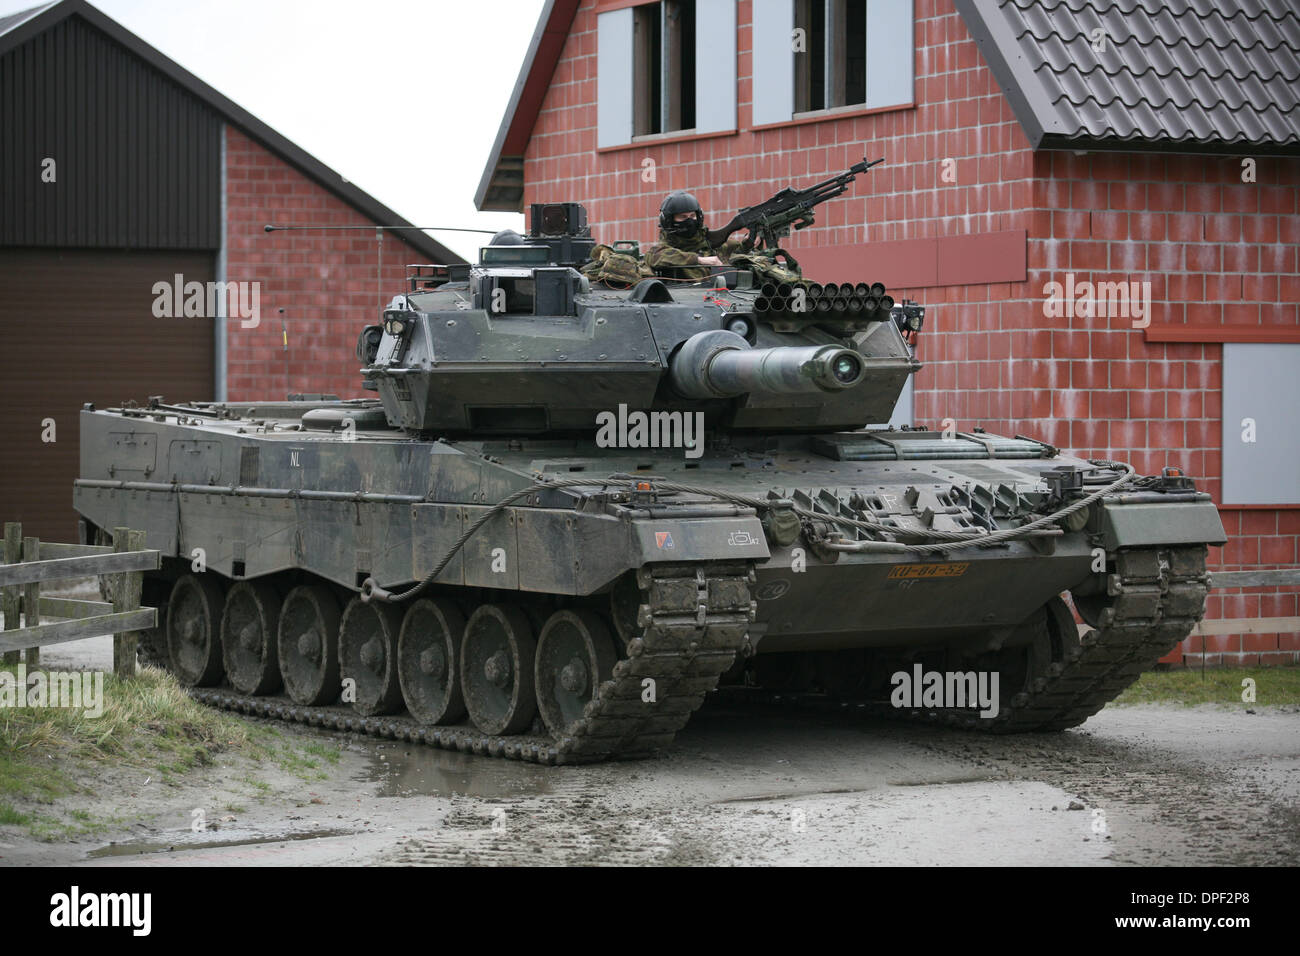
(32, 601)
(9, 596)
(126, 597)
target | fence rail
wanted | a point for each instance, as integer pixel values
(29, 563)
(1252, 579)
(1271, 577)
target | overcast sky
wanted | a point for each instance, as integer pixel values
(402, 97)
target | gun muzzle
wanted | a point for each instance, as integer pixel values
(721, 364)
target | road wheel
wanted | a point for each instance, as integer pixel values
(308, 645)
(249, 646)
(428, 661)
(368, 655)
(575, 654)
(194, 630)
(496, 669)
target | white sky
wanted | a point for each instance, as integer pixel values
(402, 97)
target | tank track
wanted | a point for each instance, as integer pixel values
(1156, 597)
(691, 623)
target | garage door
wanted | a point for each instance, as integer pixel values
(78, 326)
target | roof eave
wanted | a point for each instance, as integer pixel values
(497, 190)
(1184, 147)
(1017, 89)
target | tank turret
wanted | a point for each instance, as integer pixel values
(524, 343)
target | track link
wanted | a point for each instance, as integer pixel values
(692, 621)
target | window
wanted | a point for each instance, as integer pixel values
(665, 67)
(1261, 457)
(830, 47)
(814, 55)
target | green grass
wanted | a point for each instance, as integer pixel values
(324, 751)
(8, 815)
(148, 723)
(260, 785)
(1274, 687)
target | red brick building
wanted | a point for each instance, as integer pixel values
(120, 170)
(1026, 144)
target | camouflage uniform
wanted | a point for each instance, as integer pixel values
(679, 258)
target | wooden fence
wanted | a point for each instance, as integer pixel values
(29, 563)
(1251, 625)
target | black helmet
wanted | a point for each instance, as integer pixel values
(680, 202)
(507, 237)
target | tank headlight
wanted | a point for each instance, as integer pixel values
(394, 327)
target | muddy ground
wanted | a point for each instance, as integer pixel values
(1139, 785)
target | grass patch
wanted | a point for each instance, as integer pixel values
(324, 751)
(148, 723)
(260, 785)
(1274, 687)
(152, 708)
(8, 815)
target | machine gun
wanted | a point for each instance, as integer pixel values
(769, 222)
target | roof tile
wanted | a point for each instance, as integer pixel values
(1181, 73)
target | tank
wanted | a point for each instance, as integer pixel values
(572, 511)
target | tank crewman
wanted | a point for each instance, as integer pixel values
(683, 250)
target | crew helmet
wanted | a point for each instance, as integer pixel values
(679, 202)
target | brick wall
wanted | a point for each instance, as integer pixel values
(327, 282)
(960, 114)
(1214, 249)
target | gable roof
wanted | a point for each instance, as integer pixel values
(502, 186)
(18, 28)
(1174, 75)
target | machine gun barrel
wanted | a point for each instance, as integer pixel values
(721, 364)
(773, 218)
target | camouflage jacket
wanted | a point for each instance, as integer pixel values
(676, 258)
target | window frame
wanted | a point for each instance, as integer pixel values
(713, 54)
(775, 9)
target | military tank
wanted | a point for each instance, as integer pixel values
(572, 511)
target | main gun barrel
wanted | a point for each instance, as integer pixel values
(721, 364)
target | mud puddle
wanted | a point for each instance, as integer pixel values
(142, 848)
(399, 770)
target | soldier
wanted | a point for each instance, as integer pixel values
(683, 250)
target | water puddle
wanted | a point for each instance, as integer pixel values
(402, 770)
(790, 795)
(141, 848)
(943, 781)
